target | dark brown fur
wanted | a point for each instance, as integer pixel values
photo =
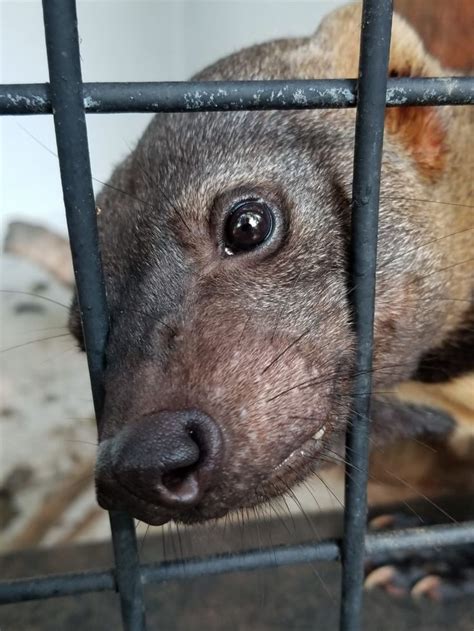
(263, 342)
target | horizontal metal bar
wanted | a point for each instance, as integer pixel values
(243, 562)
(79, 583)
(42, 587)
(412, 539)
(207, 96)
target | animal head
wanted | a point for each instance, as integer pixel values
(224, 239)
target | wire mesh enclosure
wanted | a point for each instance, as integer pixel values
(69, 99)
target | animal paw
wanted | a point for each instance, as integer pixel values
(436, 574)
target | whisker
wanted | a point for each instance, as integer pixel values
(151, 315)
(46, 328)
(422, 495)
(114, 188)
(32, 295)
(157, 186)
(329, 489)
(412, 510)
(43, 339)
(309, 383)
(180, 545)
(426, 243)
(441, 269)
(423, 444)
(143, 540)
(426, 201)
(318, 538)
(280, 355)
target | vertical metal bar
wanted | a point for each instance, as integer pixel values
(62, 45)
(372, 83)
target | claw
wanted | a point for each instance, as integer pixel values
(380, 577)
(428, 587)
(381, 522)
(388, 578)
(439, 588)
(426, 573)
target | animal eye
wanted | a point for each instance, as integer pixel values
(249, 225)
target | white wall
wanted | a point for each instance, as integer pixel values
(120, 41)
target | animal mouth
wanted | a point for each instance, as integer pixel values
(306, 450)
(291, 468)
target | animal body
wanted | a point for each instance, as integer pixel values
(224, 238)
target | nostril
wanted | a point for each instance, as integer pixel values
(207, 436)
(198, 437)
(180, 486)
(174, 480)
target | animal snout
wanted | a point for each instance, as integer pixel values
(163, 461)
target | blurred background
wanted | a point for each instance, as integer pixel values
(121, 41)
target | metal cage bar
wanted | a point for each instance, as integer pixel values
(62, 47)
(212, 96)
(38, 588)
(67, 98)
(369, 131)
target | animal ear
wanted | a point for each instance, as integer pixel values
(421, 131)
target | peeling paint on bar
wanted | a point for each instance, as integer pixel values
(237, 95)
(300, 97)
(30, 101)
(90, 103)
(396, 96)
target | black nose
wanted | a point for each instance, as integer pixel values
(169, 459)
